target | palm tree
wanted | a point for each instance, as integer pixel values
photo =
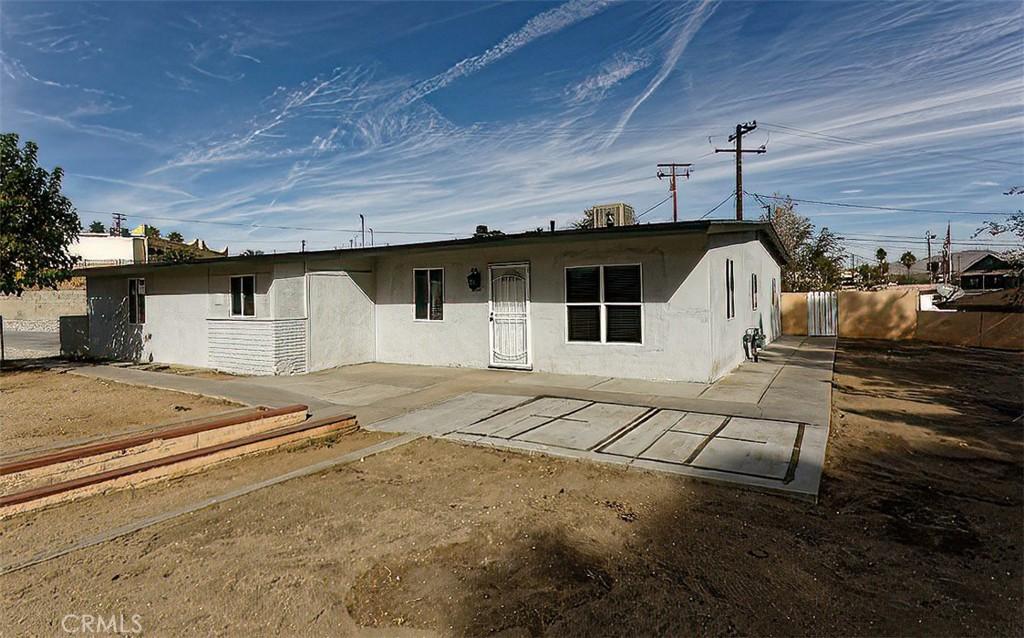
(908, 259)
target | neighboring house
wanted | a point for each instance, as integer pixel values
(101, 249)
(664, 301)
(964, 262)
(1004, 300)
(988, 272)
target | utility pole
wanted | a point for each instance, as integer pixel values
(362, 229)
(118, 218)
(741, 130)
(672, 183)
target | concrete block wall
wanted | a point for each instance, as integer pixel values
(257, 346)
(41, 310)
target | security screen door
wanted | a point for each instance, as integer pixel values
(510, 315)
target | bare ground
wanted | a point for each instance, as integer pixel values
(919, 532)
(42, 408)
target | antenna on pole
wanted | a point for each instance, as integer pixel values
(672, 166)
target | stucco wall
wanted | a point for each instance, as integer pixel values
(794, 313)
(1004, 331)
(749, 256)
(676, 321)
(882, 314)
(342, 321)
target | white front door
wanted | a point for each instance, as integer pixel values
(510, 315)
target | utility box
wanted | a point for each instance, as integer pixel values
(609, 215)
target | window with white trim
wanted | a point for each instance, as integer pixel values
(137, 301)
(730, 290)
(753, 291)
(429, 293)
(243, 296)
(604, 304)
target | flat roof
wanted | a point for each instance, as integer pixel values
(709, 227)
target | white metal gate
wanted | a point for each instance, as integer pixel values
(510, 315)
(822, 314)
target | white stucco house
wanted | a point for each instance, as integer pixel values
(658, 301)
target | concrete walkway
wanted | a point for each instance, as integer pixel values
(765, 425)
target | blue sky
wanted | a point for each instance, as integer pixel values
(436, 117)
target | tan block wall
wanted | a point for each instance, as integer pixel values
(883, 314)
(1002, 330)
(949, 328)
(794, 313)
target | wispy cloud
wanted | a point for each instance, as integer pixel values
(852, 191)
(160, 188)
(543, 24)
(684, 33)
(96, 130)
(619, 68)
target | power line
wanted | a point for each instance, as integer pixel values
(718, 205)
(792, 130)
(653, 207)
(866, 206)
(317, 229)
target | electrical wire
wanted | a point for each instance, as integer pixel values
(792, 130)
(653, 207)
(317, 229)
(717, 206)
(866, 206)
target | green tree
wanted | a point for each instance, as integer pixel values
(175, 255)
(37, 222)
(152, 231)
(249, 252)
(908, 259)
(817, 256)
(175, 236)
(97, 227)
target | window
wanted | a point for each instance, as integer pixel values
(136, 301)
(753, 292)
(775, 295)
(429, 293)
(603, 304)
(730, 290)
(243, 296)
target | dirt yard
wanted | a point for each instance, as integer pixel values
(919, 532)
(42, 408)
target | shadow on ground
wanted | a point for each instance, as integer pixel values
(918, 531)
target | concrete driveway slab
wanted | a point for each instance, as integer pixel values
(674, 447)
(451, 415)
(699, 423)
(585, 429)
(634, 442)
(556, 380)
(365, 394)
(681, 389)
(745, 457)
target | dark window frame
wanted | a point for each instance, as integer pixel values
(753, 291)
(730, 289)
(137, 301)
(429, 314)
(603, 305)
(244, 310)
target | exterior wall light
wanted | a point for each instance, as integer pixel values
(473, 279)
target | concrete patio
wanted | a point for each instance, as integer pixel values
(765, 425)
